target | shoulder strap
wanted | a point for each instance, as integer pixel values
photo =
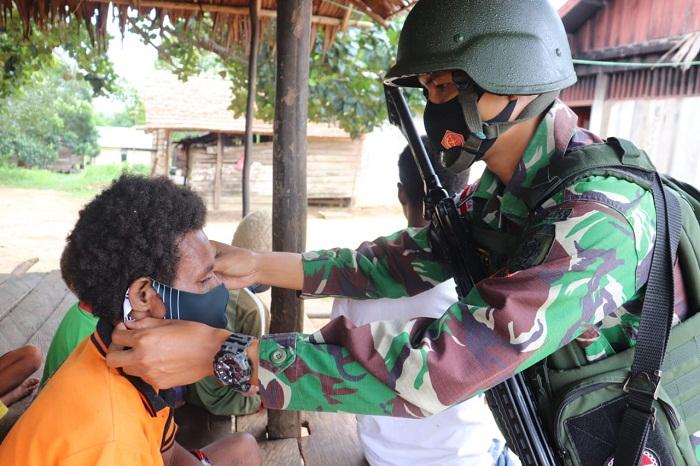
(615, 156)
(643, 383)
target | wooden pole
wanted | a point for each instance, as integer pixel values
(166, 154)
(289, 173)
(217, 170)
(250, 109)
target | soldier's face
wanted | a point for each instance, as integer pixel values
(440, 88)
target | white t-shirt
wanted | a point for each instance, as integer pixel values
(464, 434)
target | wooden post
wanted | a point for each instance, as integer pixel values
(166, 154)
(217, 170)
(289, 173)
(250, 109)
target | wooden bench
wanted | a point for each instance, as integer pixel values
(32, 305)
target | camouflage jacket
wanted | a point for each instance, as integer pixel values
(583, 254)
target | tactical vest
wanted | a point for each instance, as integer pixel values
(582, 404)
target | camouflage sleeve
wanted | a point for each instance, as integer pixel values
(394, 266)
(586, 255)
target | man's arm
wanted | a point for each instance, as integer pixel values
(394, 266)
(577, 265)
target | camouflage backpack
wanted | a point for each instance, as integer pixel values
(624, 406)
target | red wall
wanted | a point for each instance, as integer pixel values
(623, 22)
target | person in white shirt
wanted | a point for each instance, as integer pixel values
(465, 434)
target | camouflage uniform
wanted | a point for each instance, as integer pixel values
(578, 273)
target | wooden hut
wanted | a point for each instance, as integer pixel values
(201, 104)
(656, 106)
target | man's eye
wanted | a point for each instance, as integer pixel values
(206, 279)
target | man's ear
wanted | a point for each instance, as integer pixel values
(141, 294)
(144, 300)
(401, 194)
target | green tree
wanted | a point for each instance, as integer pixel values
(133, 112)
(345, 80)
(52, 110)
(22, 55)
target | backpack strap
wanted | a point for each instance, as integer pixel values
(642, 385)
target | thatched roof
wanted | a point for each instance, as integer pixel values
(228, 16)
(201, 104)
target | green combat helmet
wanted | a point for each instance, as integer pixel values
(506, 47)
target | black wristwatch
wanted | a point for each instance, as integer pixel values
(231, 365)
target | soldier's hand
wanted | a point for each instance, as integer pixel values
(239, 268)
(236, 267)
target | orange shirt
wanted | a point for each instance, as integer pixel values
(91, 414)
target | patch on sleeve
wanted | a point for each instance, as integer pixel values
(533, 249)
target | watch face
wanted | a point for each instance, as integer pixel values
(233, 369)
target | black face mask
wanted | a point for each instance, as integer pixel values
(447, 130)
(208, 308)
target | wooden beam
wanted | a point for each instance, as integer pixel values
(255, 6)
(362, 6)
(218, 169)
(346, 18)
(289, 173)
(630, 50)
(236, 10)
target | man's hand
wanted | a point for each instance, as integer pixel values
(239, 268)
(235, 266)
(165, 353)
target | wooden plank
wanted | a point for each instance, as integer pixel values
(44, 334)
(14, 289)
(332, 440)
(283, 452)
(24, 266)
(255, 424)
(28, 316)
(274, 452)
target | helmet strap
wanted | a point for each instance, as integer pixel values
(483, 134)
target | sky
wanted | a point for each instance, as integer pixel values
(135, 61)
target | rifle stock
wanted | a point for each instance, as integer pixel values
(511, 402)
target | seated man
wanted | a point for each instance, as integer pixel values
(16, 367)
(137, 251)
(462, 435)
(242, 312)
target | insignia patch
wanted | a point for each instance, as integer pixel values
(452, 139)
(533, 249)
(648, 458)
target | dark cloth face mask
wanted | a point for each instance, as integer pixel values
(447, 129)
(208, 308)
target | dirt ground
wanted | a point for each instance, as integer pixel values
(35, 223)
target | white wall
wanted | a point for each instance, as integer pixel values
(111, 156)
(666, 128)
(379, 171)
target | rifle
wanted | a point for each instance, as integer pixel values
(511, 402)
